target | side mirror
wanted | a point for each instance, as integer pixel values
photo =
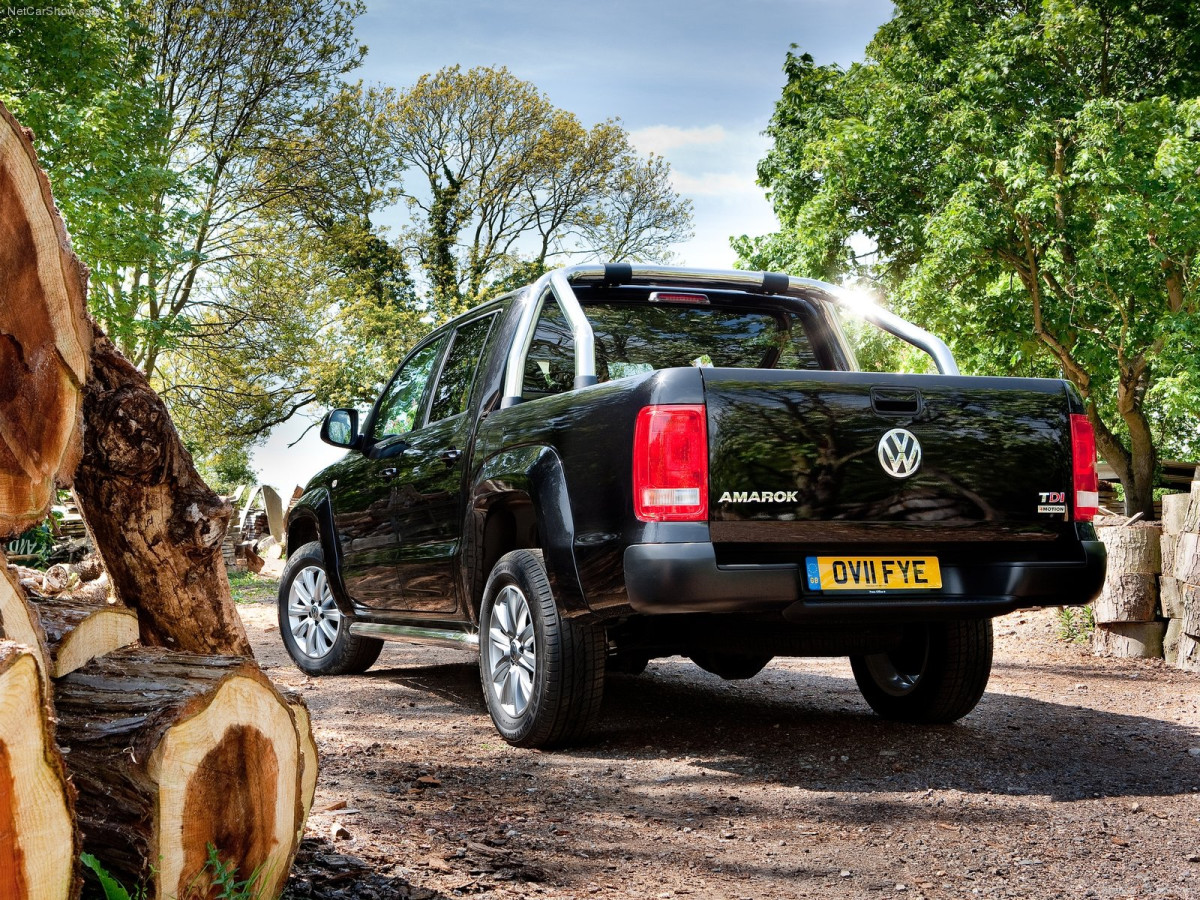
(340, 429)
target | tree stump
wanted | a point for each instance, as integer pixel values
(44, 337)
(1133, 549)
(308, 750)
(157, 525)
(1136, 640)
(174, 752)
(1189, 596)
(1127, 598)
(38, 841)
(1187, 559)
(1174, 512)
(1170, 597)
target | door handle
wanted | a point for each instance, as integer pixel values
(450, 457)
(388, 473)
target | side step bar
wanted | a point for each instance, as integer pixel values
(462, 640)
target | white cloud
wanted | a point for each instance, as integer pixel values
(716, 184)
(663, 138)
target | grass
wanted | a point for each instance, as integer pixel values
(250, 588)
(221, 875)
(1076, 624)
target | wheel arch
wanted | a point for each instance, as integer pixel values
(312, 520)
(520, 501)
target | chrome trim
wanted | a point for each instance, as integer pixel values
(413, 634)
(559, 284)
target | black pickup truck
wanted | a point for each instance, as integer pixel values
(622, 462)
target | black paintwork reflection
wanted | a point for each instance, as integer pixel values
(364, 512)
(989, 447)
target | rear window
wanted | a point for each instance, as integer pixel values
(632, 339)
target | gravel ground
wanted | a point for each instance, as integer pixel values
(1072, 778)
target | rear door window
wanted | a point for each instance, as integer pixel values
(453, 388)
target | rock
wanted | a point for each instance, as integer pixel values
(1132, 640)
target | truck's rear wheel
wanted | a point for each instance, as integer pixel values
(936, 675)
(542, 674)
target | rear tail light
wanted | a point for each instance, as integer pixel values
(1083, 465)
(670, 464)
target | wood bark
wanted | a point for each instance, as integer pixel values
(1187, 559)
(1191, 520)
(1127, 598)
(308, 750)
(1133, 549)
(1135, 640)
(44, 337)
(1171, 642)
(1174, 512)
(39, 844)
(1188, 657)
(1168, 550)
(1170, 597)
(173, 752)
(78, 629)
(157, 525)
(1190, 619)
(18, 622)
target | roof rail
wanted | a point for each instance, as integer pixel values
(558, 284)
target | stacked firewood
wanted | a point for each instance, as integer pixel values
(1126, 612)
(1181, 577)
(140, 731)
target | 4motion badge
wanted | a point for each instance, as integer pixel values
(899, 453)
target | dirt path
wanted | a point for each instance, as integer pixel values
(1071, 779)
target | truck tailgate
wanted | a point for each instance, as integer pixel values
(796, 457)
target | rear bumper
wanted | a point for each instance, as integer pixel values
(685, 578)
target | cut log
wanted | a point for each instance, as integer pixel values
(44, 337)
(308, 751)
(1191, 520)
(1133, 640)
(18, 622)
(173, 752)
(1127, 598)
(1168, 550)
(78, 629)
(38, 841)
(1174, 512)
(1189, 595)
(156, 524)
(66, 576)
(1188, 655)
(1133, 549)
(1170, 597)
(1187, 559)
(1171, 642)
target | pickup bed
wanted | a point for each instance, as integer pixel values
(621, 462)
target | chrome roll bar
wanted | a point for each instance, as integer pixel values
(558, 284)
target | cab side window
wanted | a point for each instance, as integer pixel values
(400, 407)
(453, 388)
(550, 365)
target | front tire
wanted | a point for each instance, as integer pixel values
(935, 676)
(315, 633)
(542, 674)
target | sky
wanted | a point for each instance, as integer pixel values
(693, 80)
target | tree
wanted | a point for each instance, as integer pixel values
(508, 183)
(1027, 174)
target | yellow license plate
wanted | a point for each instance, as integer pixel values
(873, 573)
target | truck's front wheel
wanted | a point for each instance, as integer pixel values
(542, 674)
(936, 675)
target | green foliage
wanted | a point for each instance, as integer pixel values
(1022, 179)
(219, 874)
(113, 889)
(1076, 624)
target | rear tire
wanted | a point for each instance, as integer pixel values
(731, 666)
(936, 676)
(542, 674)
(315, 634)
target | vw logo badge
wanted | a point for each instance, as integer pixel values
(899, 453)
